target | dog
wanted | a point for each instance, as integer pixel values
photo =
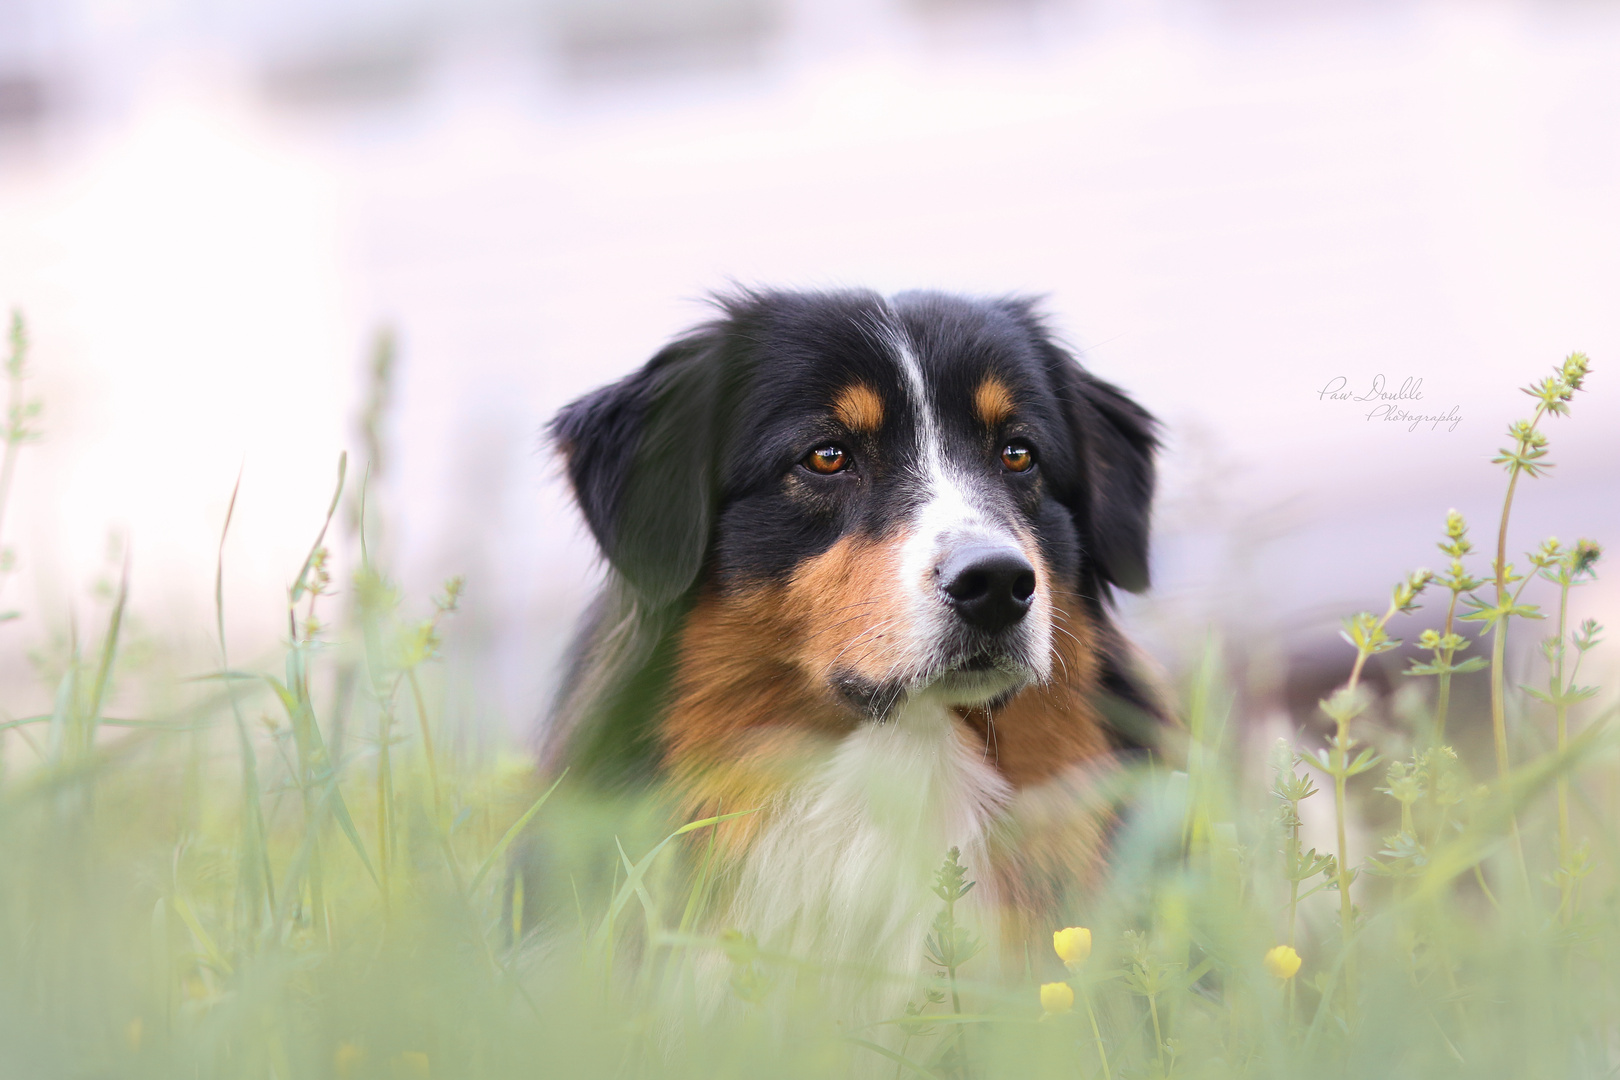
(861, 558)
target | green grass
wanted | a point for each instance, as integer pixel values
(296, 871)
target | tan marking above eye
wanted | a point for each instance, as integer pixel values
(859, 408)
(993, 402)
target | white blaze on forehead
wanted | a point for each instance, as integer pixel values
(947, 507)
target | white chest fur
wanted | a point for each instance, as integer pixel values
(841, 874)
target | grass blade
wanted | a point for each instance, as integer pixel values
(511, 834)
(639, 871)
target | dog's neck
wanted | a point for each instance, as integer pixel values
(841, 869)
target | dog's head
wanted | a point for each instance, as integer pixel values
(918, 485)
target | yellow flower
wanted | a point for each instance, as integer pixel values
(1057, 997)
(1072, 944)
(1282, 961)
(346, 1059)
(413, 1064)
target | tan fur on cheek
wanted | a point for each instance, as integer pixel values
(743, 715)
(853, 610)
(859, 408)
(993, 402)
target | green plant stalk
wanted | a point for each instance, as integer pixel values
(385, 798)
(1499, 647)
(1442, 704)
(1341, 811)
(13, 407)
(313, 761)
(257, 877)
(1561, 689)
(310, 761)
(517, 907)
(948, 947)
(427, 748)
(1295, 858)
(1195, 829)
(385, 738)
(1498, 706)
(1096, 1031)
(109, 653)
(16, 432)
(1158, 1035)
(950, 957)
(63, 728)
(1341, 762)
(1566, 881)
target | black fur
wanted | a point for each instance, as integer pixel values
(642, 456)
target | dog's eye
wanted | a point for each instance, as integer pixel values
(1018, 456)
(826, 460)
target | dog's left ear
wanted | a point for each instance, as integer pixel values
(642, 455)
(1114, 442)
(1117, 443)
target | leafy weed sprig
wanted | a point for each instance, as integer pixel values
(1566, 568)
(1369, 636)
(1445, 643)
(1527, 457)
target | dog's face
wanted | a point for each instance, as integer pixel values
(918, 489)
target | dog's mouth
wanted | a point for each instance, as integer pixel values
(978, 678)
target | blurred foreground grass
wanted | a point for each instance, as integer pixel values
(292, 872)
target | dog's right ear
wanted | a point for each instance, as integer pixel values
(643, 457)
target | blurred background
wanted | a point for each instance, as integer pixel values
(209, 212)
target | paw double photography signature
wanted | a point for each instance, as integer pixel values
(1391, 403)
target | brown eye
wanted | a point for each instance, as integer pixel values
(826, 460)
(1017, 456)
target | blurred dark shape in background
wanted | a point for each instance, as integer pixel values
(365, 71)
(31, 57)
(597, 39)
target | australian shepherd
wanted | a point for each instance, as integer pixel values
(861, 557)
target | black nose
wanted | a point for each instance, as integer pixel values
(989, 586)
